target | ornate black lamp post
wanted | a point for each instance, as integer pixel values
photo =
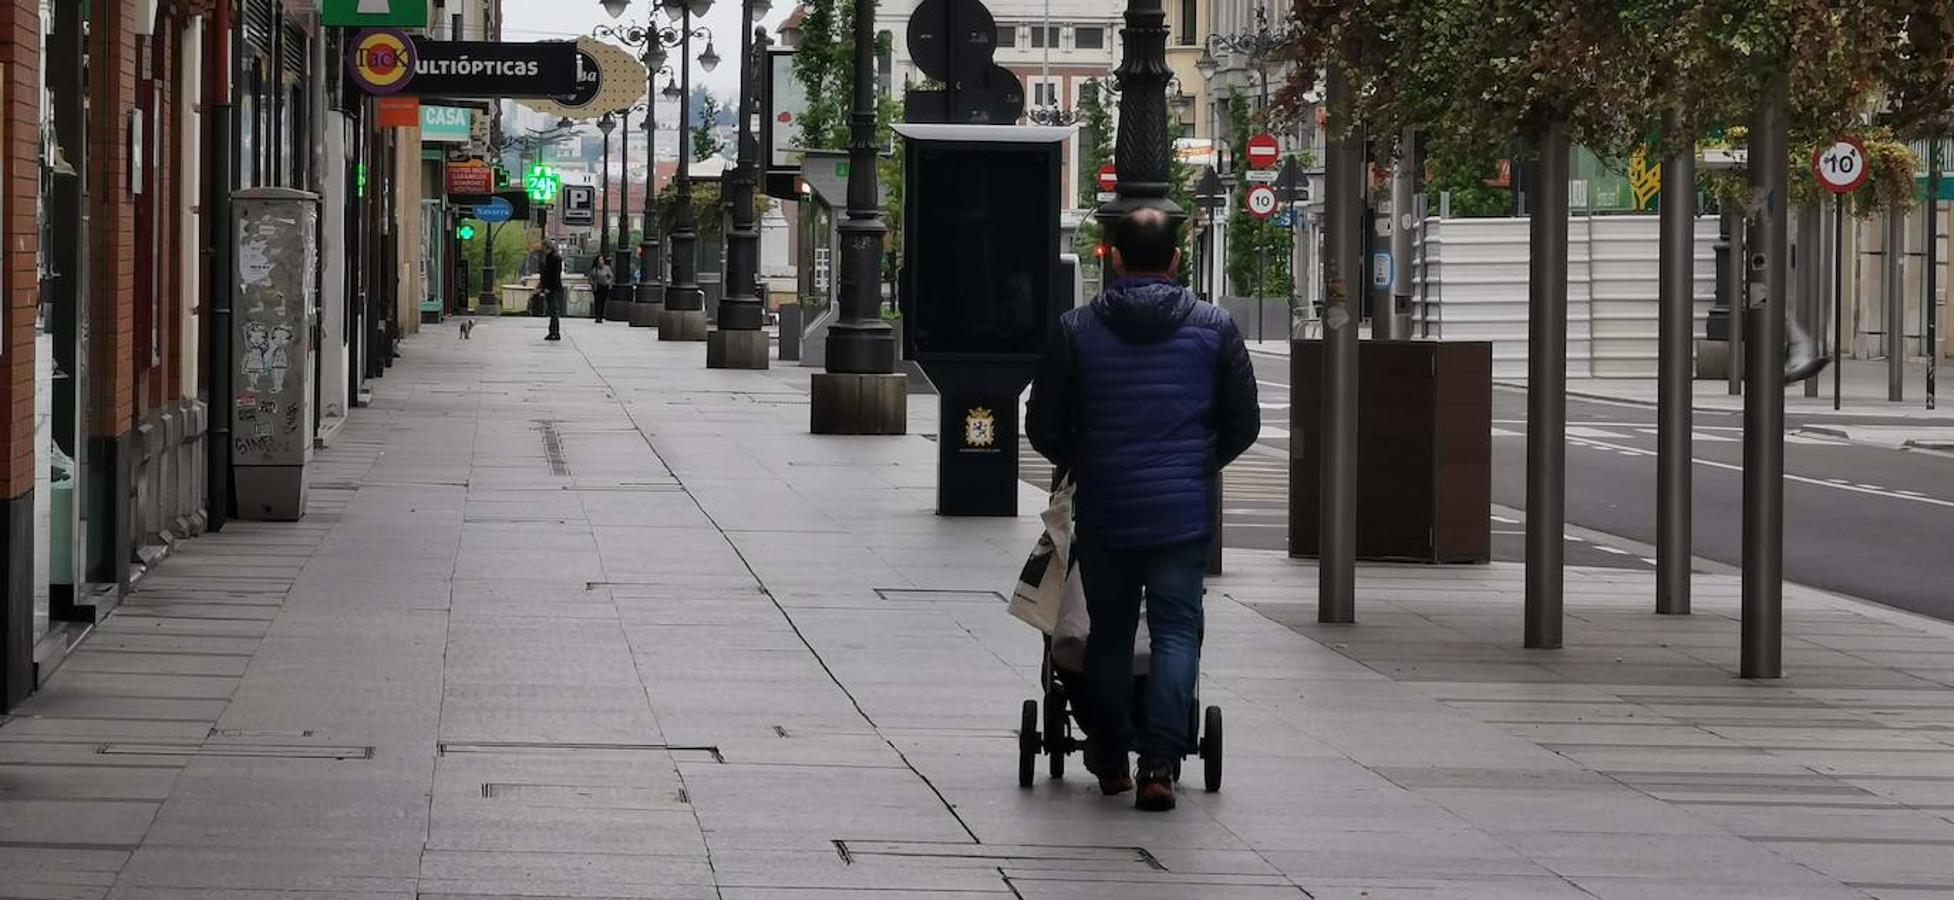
(860, 393)
(1140, 153)
(739, 342)
(655, 38)
(606, 125)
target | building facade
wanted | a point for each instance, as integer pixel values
(128, 125)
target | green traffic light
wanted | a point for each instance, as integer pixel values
(466, 232)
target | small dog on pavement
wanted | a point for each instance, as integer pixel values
(467, 327)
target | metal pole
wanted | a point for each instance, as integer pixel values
(1894, 287)
(1336, 590)
(739, 343)
(1738, 276)
(1811, 278)
(1404, 182)
(223, 128)
(621, 266)
(684, 317)
(860, 341)
(1838, 298)
(649, 272)
(604, 189)
(1930, 304)
(1547, 387)
(1763, 539)
(1677, 311)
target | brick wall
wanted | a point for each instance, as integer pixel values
(112, 237)
(20, 184)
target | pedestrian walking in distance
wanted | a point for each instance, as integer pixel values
(551, 284)
(1143, 396)
(600, 285)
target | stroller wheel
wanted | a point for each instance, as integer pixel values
(1058, 741)
(1211, 751)
(1027, 743)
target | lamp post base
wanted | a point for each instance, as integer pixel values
(859, 404)
(682, 325)
(741, 349)
(617, 310)
(644, 315)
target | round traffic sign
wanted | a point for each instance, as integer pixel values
(1261, 201)
(1841, 165)
(1108, 178)
(1263, 151)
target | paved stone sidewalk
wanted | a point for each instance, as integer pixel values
(588, 620)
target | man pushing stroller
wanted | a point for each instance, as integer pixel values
(1143, 397)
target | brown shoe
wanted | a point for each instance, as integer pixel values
(1156, 792)
(1113, 777)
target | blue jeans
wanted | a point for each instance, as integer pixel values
(1115, 578)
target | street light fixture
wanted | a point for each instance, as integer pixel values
(709, 60)
(671, 88)
(656, 38)
(740, 342)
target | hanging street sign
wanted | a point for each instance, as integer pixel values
(381, 61)
(495, 210)
(399, 112)
(447, 124)
(609, 78)
(473, 177)
(1263, 151)
(1260, 201)
(579, 205)
(1841, 165)
(1107, 196)
(374, 13)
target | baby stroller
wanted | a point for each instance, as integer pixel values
(1049, 597)
(1050, 730)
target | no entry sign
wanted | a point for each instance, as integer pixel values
(1263, 151)
(1108, 178)
(1841, 165)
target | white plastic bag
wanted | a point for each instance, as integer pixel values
(1039, 597)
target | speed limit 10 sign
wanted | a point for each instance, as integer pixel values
(1841, 165)
(1261, 201)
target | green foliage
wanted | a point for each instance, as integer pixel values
(824, 65)
(708, 205)
(1258, 249)
(1096, 147)
(512, 244)
(705, 141)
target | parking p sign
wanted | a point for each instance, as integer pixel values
(579, 205)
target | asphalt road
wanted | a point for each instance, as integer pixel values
(1866, 521)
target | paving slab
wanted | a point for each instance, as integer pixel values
(586, 619)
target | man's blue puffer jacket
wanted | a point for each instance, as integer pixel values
(1143, 397)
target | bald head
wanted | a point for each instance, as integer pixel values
(1146, 242)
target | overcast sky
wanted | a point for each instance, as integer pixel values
(538, 20)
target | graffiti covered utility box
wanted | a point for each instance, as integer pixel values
(271, 349)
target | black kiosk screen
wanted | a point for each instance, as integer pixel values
(983, 232)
